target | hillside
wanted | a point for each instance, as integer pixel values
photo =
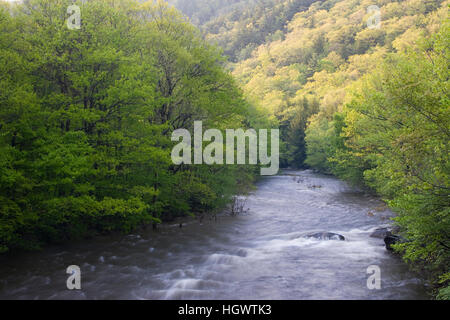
(202, 11)
(316, 56)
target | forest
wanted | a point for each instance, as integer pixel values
(86, 115)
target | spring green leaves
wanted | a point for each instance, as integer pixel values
(86, 116)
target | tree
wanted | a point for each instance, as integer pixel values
(86, 118)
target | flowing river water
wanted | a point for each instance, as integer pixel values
(262, 254)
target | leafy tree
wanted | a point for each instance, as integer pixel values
(86, 117)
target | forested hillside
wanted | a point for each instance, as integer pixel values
(86, 118)
(202, 11)
(324, 50)
(243, 30)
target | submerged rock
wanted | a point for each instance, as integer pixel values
(326, 236)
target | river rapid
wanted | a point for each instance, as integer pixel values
(261, 254)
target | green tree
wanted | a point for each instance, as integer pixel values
(86, 117)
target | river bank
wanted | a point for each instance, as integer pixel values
(262, 254)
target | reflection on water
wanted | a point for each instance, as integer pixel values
(263, 254)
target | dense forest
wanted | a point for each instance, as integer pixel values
(86, 115)
(202, 11)
(86, 119)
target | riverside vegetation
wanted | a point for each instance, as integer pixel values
(86, 115)
(86, 119)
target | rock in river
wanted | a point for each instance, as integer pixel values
(381, 233)
(391, 240)
(326, 236)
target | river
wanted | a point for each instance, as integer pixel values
(261, 254)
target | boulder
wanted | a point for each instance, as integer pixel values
(391, 240)
(381, 233)
(326, 236)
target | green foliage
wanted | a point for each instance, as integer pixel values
(283, 51)
(243, 29)
(444, 294)
(293, 122)
(86, 117)
(318, 138)
(202, 11)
